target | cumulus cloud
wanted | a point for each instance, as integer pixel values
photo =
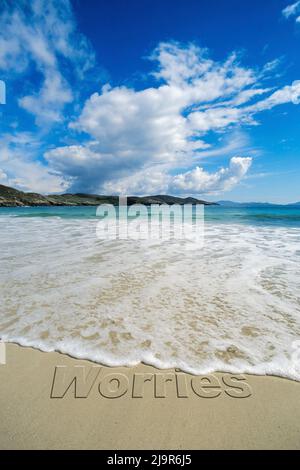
(198, 181)
(292, 10)
(153, 180)
(37, 36)
(139, 138)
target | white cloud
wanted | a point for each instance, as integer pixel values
(19, 167)
(272, 65)
(41, 48)
(291, 10)
(153, 180)
(177, 65)
(287, 94)
(36, 37)
(33, 176)
(138, 139)
(3, 176)
(198, 181)
(48, 103)
(247, 95)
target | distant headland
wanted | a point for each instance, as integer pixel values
(11, 197)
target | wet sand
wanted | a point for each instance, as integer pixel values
(140, 407)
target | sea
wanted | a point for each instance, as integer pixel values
(230, 303)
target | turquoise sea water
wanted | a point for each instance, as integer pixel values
(254, 215)
(231, 303)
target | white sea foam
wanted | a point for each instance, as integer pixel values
(231, 305)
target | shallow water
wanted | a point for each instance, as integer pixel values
(232, 304)
(254, 215)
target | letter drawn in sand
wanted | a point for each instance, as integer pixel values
(65, 377)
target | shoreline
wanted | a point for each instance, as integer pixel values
(140, 407)
(146, 364)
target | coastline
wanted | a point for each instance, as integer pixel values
(151, 409)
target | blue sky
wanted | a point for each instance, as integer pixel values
(187, 97)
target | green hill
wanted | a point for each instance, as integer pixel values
(10, 197)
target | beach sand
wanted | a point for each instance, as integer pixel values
(268, 417)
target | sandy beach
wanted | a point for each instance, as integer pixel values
(124, 408)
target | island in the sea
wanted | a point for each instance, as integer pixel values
(11, 197)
